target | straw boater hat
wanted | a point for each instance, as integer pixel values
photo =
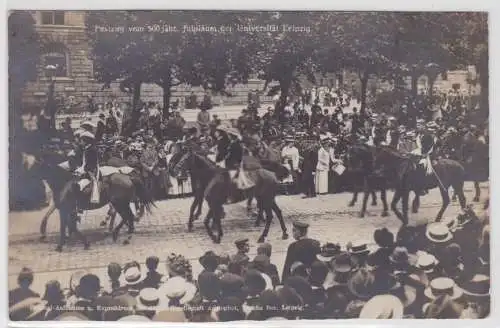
(328, 252)
(178, 288)
(150, 299)
(134, 317)
(443, 286)
(438, 232)
(383, 307)
(477, 287)
(426, 262)
(133, 276)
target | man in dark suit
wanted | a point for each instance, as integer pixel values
(309, 170)
(302, 250)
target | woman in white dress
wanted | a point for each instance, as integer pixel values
(322, 167)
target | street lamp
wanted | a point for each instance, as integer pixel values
(50, 108)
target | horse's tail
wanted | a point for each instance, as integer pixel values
(145, 197)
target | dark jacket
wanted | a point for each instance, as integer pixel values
(310, 160)
(222, 147)
(234, 155)
(304, 250)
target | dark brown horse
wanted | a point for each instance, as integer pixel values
(220, 188)
(403, 170)
(117, 189)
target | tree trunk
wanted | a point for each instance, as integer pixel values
(285, 90)
(482, 69)
(414, 85)
(432, 80)
(364, 86)
(167, 93)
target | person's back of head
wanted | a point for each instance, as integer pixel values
(265, 249)
(152, 263)
(25, 278)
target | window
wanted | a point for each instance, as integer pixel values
(53, 17)
(56, 55)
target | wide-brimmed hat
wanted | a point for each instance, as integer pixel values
(133, 275)
(178, 288)
(328, 252)
(443, 286)
(382, 307)
(357, 248)
(170, 316)
(364, 284)
(438, 232)
(150, 299)
(343, 263)
(28, 309)
(426, 262)
(134, 317)
(71, 316)
(478, 286)
(383, 237)
(86, 135)
(209, 259)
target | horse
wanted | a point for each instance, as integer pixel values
(360, 163)
(116, 189)
(220, 187)
(111, 214)
(407, 177)
(473, 154)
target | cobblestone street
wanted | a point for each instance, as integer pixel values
(165, 231)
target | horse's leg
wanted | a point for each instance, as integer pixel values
(461, 196)
(383, 197)
(120, 208)
(366, 194)
(73, 225)
(192, 209)
(206, 222)
(415, 205)
(446, 201)
(260, 212)
(478, 192)
(249, 202)
(269, 218)
(217, 218)
(394, 204)
(200, 205)
(374, 198)
(406, 197)
(354, 199)
(454, 197)
(279, 214)
(62, 230)
(45, 219)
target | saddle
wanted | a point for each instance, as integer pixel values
(105, 171)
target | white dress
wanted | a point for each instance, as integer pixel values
(322, 171)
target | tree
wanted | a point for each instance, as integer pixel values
(24, 57)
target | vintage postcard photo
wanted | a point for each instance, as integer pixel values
(215, 166)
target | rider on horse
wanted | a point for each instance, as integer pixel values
(90, 163)
(425, 146)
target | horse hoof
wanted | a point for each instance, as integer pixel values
(476, 199)
(385, 213)
(374, 204)
(285, 236)
(351, 204)
(414, 210)
(361, 215)
(42, 238)
(261, 239)
(115, 236)
(103, 223)
(86, 246)
(126, 242)
(59, 249)
(190, 229)
(257, 223)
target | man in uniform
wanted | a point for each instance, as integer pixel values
(243, 248)
(425, 146)
(302, 250)
(90, 163)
